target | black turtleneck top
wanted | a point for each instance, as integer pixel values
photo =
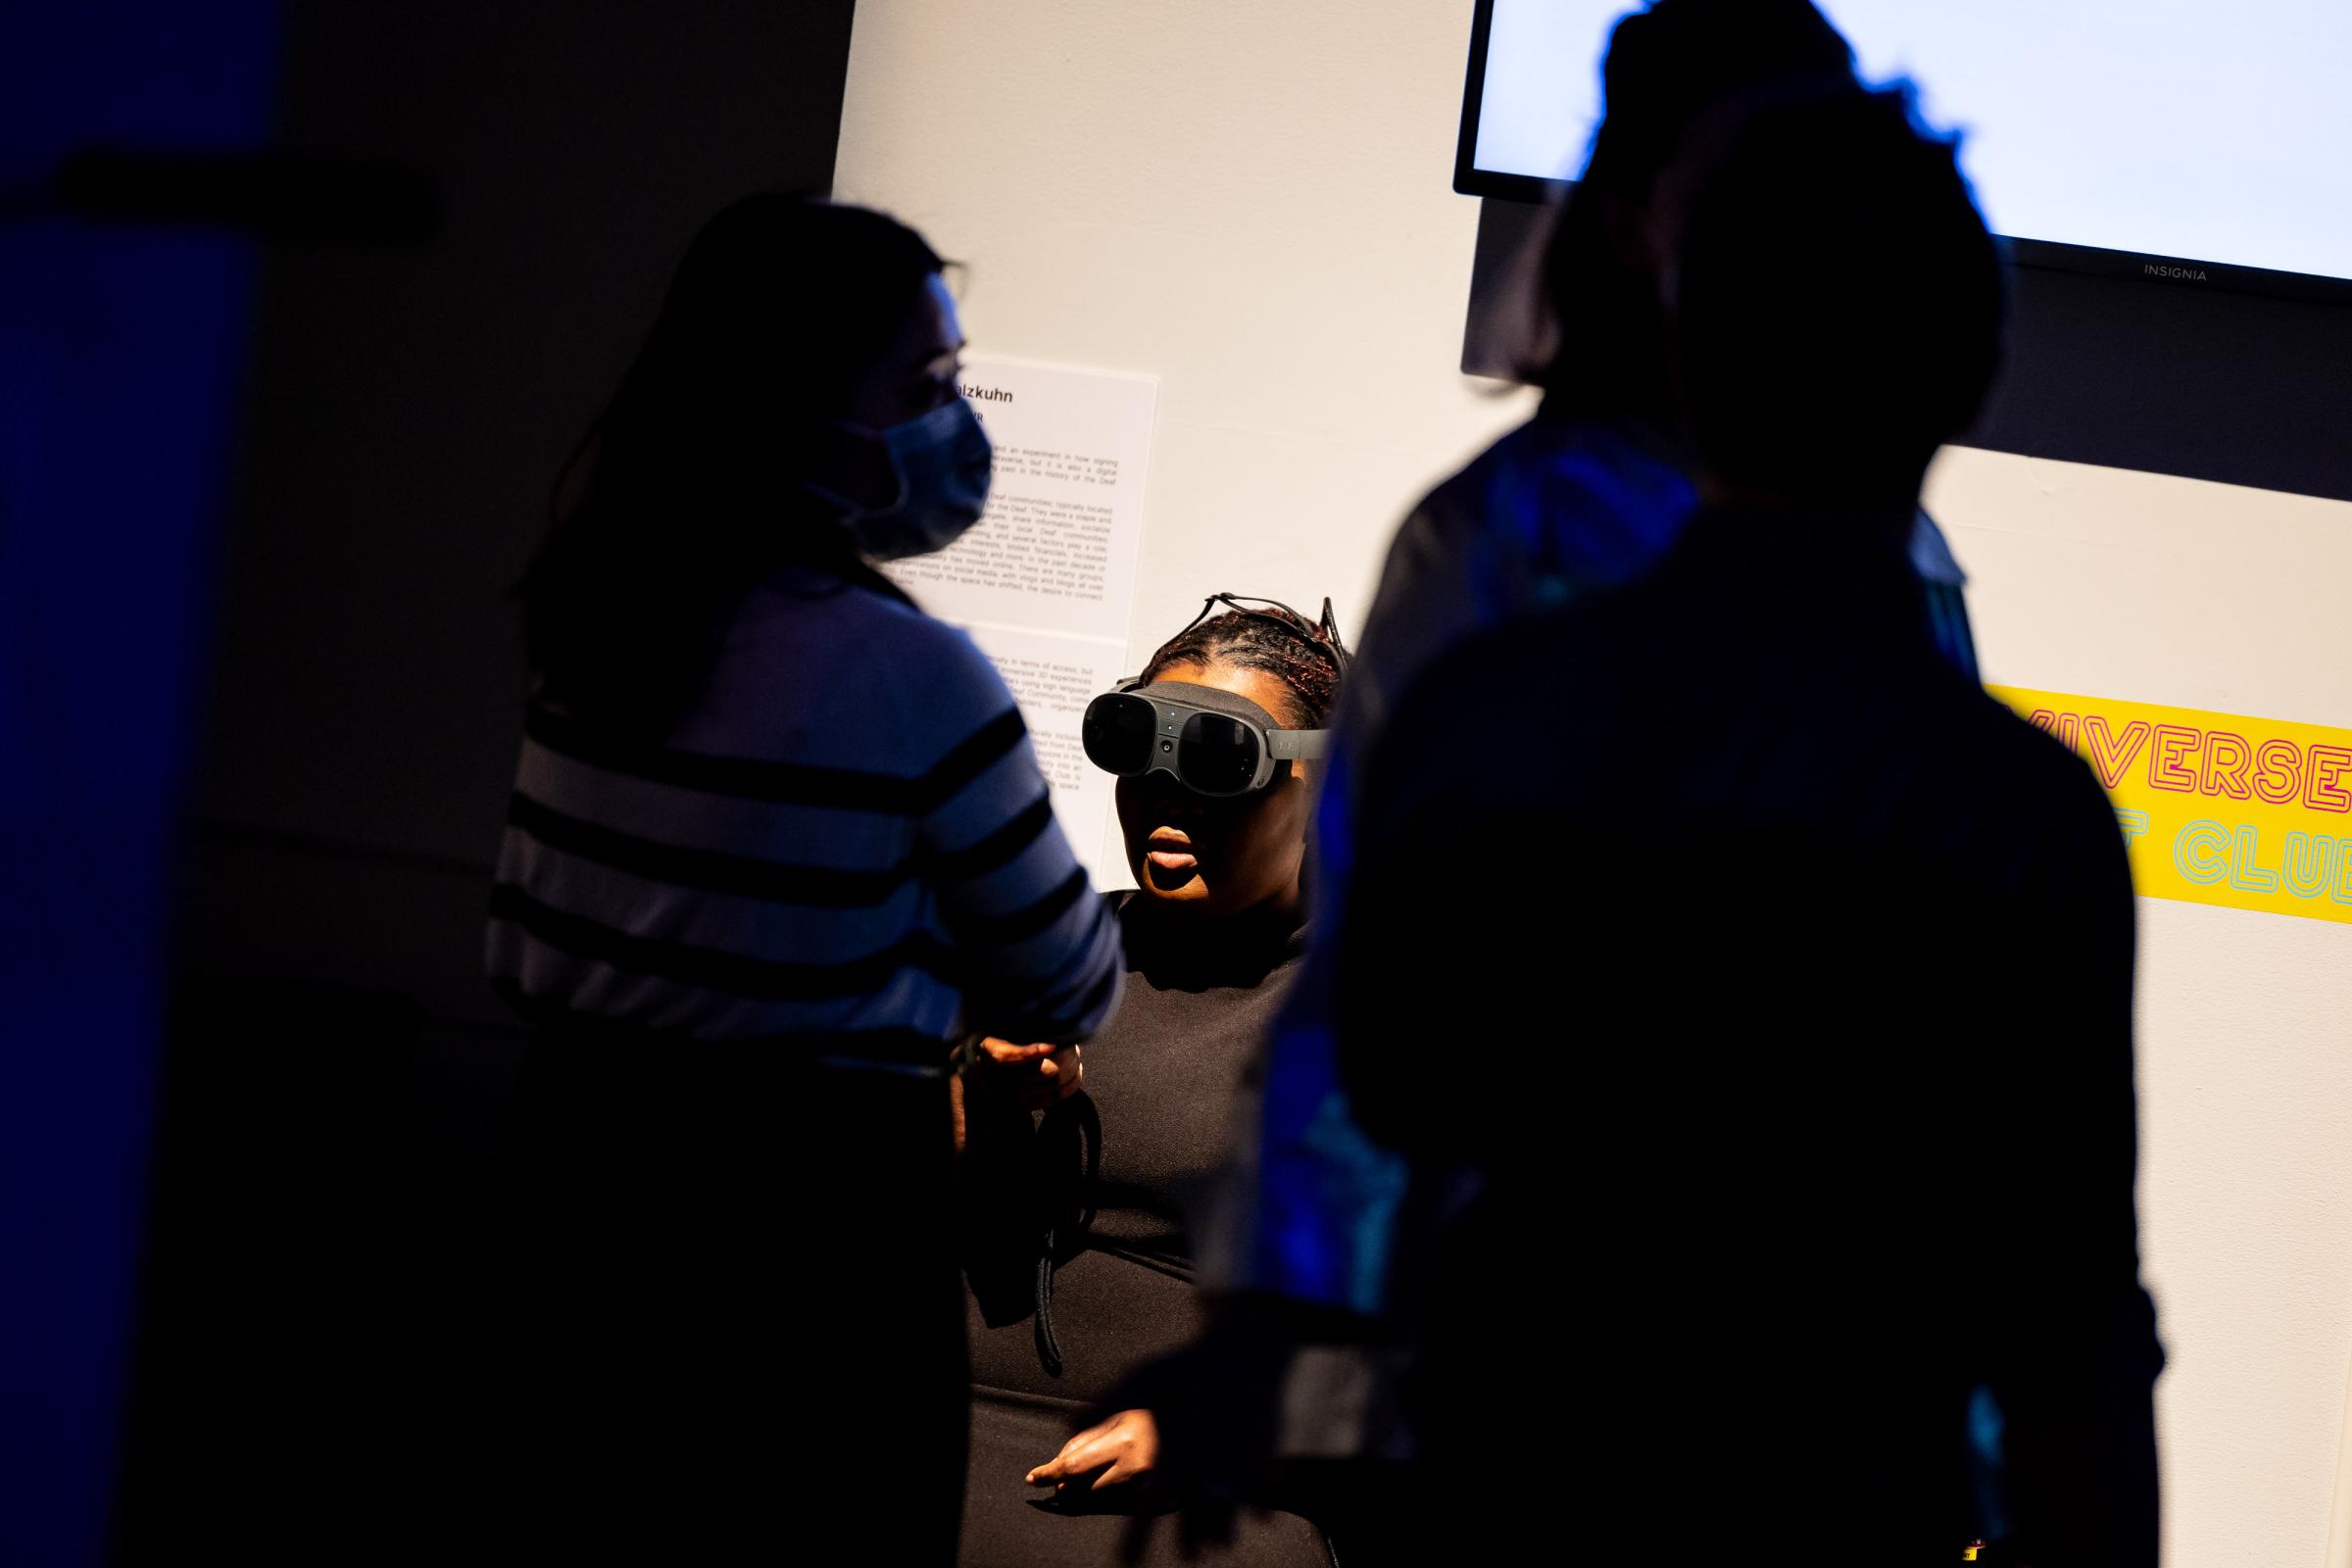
(1157, 1104)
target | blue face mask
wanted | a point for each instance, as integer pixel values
(942, 462)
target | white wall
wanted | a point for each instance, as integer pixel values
(1250, 201)
(1247, 200)
(2153, 589)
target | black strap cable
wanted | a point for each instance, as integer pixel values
(1069, 1153)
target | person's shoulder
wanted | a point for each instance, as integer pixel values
(882, 659)
(1440, 528)
(1931, 553)
(2051, 766)
(2024, 754)
(937, 669)
(1529, 637)
(1564, 457)
(818, 596)
(1590, 499)
(1466, 482)
(867, 625)
(2044, 796)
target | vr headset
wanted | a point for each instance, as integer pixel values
(1214, 743)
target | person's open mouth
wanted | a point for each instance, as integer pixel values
(1170, 850)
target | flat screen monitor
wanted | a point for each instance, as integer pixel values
(2174, 140)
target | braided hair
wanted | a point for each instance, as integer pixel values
(1287, 646)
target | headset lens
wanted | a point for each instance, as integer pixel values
(1118, 733)
(1216, 754)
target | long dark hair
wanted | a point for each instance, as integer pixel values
(684, 492)
(1668, 68)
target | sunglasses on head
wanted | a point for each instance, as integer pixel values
(1214, 743)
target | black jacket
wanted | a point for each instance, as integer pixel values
(1798, 1097)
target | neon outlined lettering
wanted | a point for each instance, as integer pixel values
(2104, 754)
(2226, 758)
(2306, 862)
(2324, 764)
(2200, 851)
(2244, 874)
(2278, 782)
(2173, 743)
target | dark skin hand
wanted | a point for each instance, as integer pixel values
(1031, 1077)
(1122, 1451)
(1215, 1407)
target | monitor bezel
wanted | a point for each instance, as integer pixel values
(2138, 266)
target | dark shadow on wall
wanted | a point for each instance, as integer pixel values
(336, 1064)
(406, 409)
(409, 409)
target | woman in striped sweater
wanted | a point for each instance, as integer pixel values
(778, 841)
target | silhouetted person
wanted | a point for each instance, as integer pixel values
(1796, 972)
(778, 840)
(1587, 495)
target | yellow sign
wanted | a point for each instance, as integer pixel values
(2254, 814)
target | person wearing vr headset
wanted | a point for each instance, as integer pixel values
(1081, 1244)
(778, 842)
